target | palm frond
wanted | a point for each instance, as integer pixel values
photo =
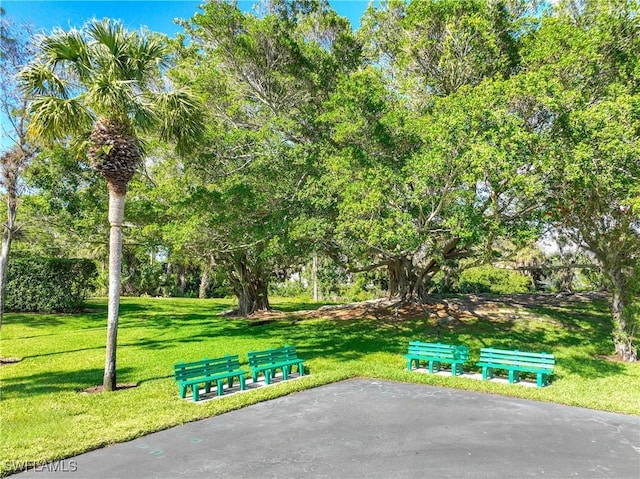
(147, 56)
(143, 114)
(182, 117)
(39, 79)
(55, 118)
(110, 97)
(69, 49)
(110, 34)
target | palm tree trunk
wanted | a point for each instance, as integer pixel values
(116, 214)
(4, 265)
(7, 236)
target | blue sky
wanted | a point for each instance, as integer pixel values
(158, 15)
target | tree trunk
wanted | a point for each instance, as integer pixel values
(402, 278)
(7, 236)
(250, 287)
(116, 214)
(622, 330)
(129, 260)
(182, 279)
(411, 277)
(314, 274)
(253, 297)
(205, 278)
(205, 282)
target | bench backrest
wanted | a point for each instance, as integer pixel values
(517, 358)
(206, 367)
(445, 351)
(272, 356)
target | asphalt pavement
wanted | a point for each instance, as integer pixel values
(365, 428)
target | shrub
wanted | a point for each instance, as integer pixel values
(489, 279)
(290, 289)
(48, 285)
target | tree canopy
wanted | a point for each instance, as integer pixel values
(437, 136)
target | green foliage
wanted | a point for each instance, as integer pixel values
(489, 279)
(582, 71)
(361, 288)
(291, 289)
(48, 285)
(246, 199)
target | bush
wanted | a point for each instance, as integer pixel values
(48, 285)
(489, 279)
(290, 289)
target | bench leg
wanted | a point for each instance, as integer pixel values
(454, 368)
(285, 373)
(487, 373)
(514, 376)
(409, 362)
(301, 368)
(195, 389)
(267, 376)
(183, 391)
(242, 382)
(230, 381)
(220, 387)
(541, 380)
(207, 387)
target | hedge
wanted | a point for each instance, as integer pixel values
(48, 285)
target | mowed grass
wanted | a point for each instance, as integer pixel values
(44, 415)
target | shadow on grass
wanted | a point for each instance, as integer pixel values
(592, 367)
(35, 320)
(294, 307)
(54, 382)
(351, 340)
(548, 329)
(131, 306)
(66, 351)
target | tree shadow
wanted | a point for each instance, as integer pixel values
(53, 382)
(35, 320)
(295, 307)
(57, 353)
(590, 367)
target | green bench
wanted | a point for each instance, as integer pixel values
(206, 372)
(436, 354)
(516, 362)
(268, 361)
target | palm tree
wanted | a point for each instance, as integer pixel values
(101, 89)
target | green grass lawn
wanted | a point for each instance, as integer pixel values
(44, 415)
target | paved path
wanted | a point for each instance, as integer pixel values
(377, 429)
